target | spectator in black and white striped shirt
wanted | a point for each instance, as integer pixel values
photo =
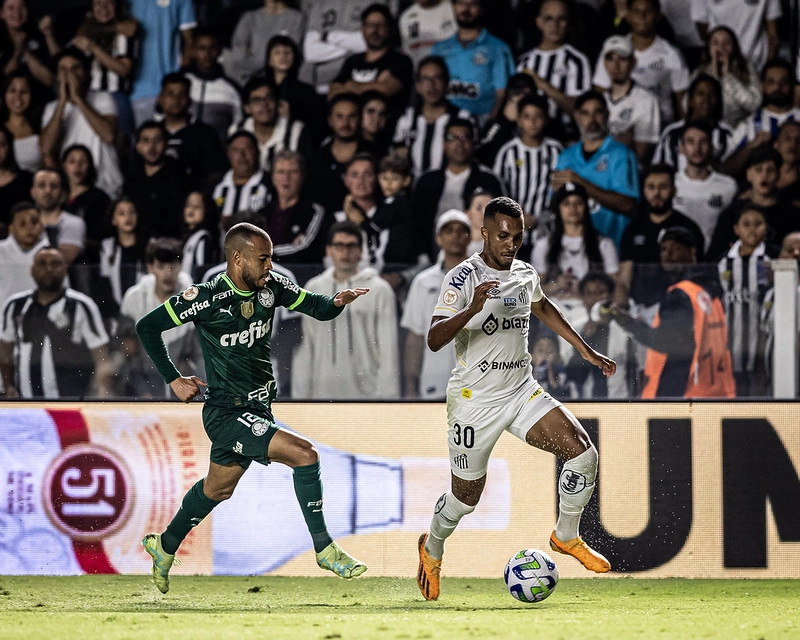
(524, 163)
(560, 71)
(113, 40)
(420, 130)
(244, 186)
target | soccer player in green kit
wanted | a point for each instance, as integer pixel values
(233, 317)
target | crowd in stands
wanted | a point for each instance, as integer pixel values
(654, 146)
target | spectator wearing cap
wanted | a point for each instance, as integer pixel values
(659, 67)
(634, 118)
(426, 373)
(573, 247)
(605, 168)
(420, 130)
(448, 187)
(560, 71)
(762, 172)
(682, 363)
(701, 193)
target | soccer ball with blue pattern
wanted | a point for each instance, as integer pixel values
(531, 575)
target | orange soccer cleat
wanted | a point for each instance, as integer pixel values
(428, 573)
(578, 549)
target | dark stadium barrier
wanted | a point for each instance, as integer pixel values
(684, 489)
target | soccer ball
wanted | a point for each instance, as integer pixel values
(531, 575)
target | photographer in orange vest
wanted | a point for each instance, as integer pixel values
(687, 353)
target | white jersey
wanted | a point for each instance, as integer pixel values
(492, 359)
(637, 110)
(704, 200)
(660, 69)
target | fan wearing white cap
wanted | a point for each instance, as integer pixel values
(425, 372)
(660, 66)
(634, 118)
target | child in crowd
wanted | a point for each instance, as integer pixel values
(526, 162)
(745, 277)
(393, 217)
(201, 245)
(25, 237)
(120, 257)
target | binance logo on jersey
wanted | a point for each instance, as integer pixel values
(248, 337)
(196, 307)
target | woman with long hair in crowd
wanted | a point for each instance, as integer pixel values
(22, 116)
(121, 257)
(573, 247)
(24, 46)
(298, 100)
(201, 248)
(84, 198)
(722, 59)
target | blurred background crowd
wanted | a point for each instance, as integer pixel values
(654, 147)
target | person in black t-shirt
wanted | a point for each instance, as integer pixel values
(380, 67)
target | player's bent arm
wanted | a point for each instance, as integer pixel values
(552, 317)
(443, 329)
(149, 328)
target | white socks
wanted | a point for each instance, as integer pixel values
(449, 511)
(575, 487)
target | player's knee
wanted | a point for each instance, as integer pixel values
(218, 494)
(305, 454)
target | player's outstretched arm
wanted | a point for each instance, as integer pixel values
(550, 314)
(348, 295)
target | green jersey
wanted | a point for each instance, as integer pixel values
(234, 328)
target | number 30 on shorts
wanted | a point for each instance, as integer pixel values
(463, 436)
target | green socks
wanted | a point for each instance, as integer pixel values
(195, 506)
(308, 489)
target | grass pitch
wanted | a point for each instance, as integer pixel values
(130, 607)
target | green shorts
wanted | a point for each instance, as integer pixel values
(238, 434)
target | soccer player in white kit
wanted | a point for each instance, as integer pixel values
(485, 306)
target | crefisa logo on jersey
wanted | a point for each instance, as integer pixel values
(266, 298)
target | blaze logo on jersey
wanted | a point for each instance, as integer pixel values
(266, 298)
(490, 325)
(191, 293)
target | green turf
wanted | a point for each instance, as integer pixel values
(116, 607)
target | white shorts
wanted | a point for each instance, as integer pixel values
(472, 431)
